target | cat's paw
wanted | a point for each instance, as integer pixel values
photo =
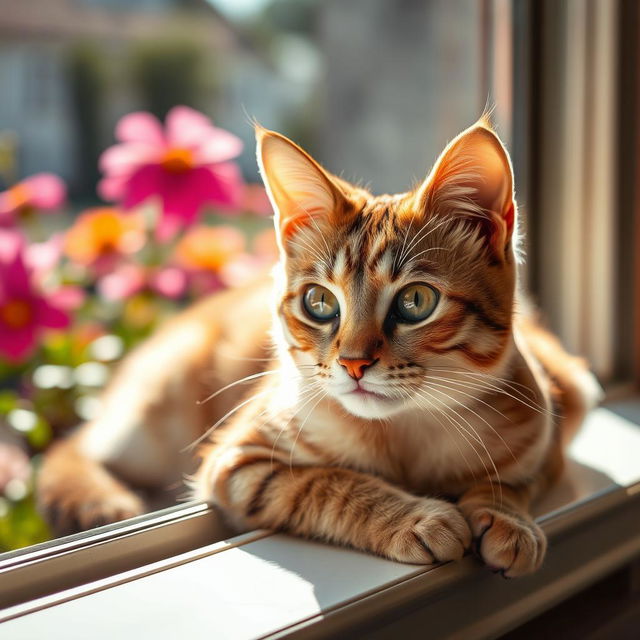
(68, 516)
(434, 532)
(508, 543)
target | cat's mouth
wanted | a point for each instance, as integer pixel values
(364, 402)
(361, 391)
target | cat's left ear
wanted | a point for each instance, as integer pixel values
(301, 191)
(473, 178)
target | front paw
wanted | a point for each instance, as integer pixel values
(509, 543)
(435, 531)
(66, 515)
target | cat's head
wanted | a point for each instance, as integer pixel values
(384, 296)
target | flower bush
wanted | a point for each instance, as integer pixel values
(78, 291)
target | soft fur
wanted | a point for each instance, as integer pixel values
(453, 428)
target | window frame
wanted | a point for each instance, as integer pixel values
(103, 558)
(589, 538)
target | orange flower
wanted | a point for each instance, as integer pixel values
(102, 233)
(209, 248)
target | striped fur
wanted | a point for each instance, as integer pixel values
(454, 427)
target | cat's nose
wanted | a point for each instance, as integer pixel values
(355, 366)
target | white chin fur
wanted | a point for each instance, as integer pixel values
(370, 407)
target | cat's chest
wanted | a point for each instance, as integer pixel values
(429, 459)
(417, 454)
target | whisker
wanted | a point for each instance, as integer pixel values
(434, 415)
(473, 429)
(240, 381)
(463, 432)
(512, 384)
(293, 446)
(464, 393)
(404, 242)
(311, 393)
(528, 402)
(486, 422)
(427, 251)
(418, 238)
(208, 432)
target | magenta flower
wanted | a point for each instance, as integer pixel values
(131, 278)
(186, 165)
(45, 192)
(24, 310)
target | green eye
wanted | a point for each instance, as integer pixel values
(416, 302)
(320, 303)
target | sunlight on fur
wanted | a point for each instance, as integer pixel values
(404, 403)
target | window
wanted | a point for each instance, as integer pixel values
(375, 90)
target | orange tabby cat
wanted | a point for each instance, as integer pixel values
(407, 406)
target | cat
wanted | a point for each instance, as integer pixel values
(405, 400)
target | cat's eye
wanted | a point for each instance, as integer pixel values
(320, 303)
(415, 302)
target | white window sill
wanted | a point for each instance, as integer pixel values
(270, 585)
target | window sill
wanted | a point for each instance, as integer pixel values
(262, 584)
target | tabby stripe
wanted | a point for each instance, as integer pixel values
(256, 505)
(300, 496)
(224, 477)
(480, 359)
(477, 310)
(373, 263)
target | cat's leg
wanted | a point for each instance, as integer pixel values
(506, 536)
(333, 504)
(77, 492)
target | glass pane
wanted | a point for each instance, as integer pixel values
(373, 89)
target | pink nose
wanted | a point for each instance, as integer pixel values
(355, 366)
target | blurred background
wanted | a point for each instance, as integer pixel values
(372, 88)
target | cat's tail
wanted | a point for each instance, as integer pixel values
(76, 492)
(575, 389)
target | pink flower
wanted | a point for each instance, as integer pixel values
(123, 282)
(129, 279)
(24, 310)
(256, 200)
(186, 166)
(45, 192)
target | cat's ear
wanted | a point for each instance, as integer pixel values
(300, 190)
(473, 178)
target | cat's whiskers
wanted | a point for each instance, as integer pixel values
(308, 394)
(324, 240)
(475, 431)
(439, 380)
(415, 239)
(498, 389)
(404, 242)
(512, 384)
(419, 237)
(461, 430)
(237, 382)
(427, 407)
(415, 257)
(480, 417)
(310, 248)
(323, 395)
(211, 429)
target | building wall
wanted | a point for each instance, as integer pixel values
(35, 106)
(402, 78)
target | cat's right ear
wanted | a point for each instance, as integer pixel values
(301, 191)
